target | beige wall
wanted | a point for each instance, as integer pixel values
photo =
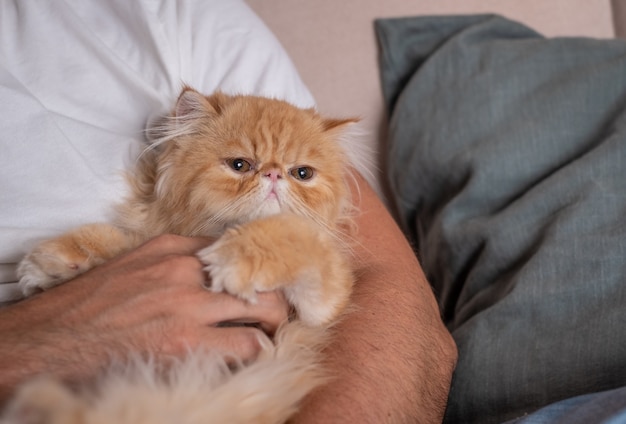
(332, 42)
(619, 17)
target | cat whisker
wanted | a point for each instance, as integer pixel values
(341, 236)
(224, 217)
(215, 223)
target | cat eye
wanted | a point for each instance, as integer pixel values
(239, 164)
(302, 173)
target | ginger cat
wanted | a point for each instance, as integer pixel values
(268, 180)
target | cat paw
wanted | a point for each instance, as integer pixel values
(58, 260)
(50, 264)
(233, 269)
(282, 253)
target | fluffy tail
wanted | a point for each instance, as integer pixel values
(199, 389)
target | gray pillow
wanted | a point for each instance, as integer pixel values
(507, 160)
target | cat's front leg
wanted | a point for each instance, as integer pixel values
(283, 252)
(60, 259)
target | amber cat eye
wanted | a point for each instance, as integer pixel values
(302, 173)
(239, 164)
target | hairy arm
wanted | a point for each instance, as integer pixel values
(392, 358)
(148, 301)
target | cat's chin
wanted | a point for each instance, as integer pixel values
(271, 206)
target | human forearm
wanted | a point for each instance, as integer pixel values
(391, 358)
(150, 301)
(31, 344)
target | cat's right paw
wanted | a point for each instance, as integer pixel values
(58, 260)
(50, 264)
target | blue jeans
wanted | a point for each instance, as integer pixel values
(607, 407)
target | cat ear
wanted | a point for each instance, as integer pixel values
(332, 124)
(191, 107)
(192, 104)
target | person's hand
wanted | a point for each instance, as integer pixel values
(148, 301)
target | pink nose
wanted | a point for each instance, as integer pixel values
(273, 174)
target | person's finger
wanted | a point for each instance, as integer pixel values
(270, 310)
(239, 343)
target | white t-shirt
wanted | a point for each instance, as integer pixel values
(80, 78)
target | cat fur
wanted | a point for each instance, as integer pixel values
(268, 181)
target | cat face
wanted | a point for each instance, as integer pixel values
(231, 159)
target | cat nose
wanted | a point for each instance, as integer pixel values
(273, 174)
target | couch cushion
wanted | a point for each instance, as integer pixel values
(508, 165)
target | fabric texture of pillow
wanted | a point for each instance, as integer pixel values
(507, 160)
(78, 81)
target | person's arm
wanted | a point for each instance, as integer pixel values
(391, 359)
(148, 301)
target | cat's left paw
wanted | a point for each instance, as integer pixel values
(282, 253)
(236, 268)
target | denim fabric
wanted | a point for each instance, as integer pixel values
(507, 160)
(597, 408)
